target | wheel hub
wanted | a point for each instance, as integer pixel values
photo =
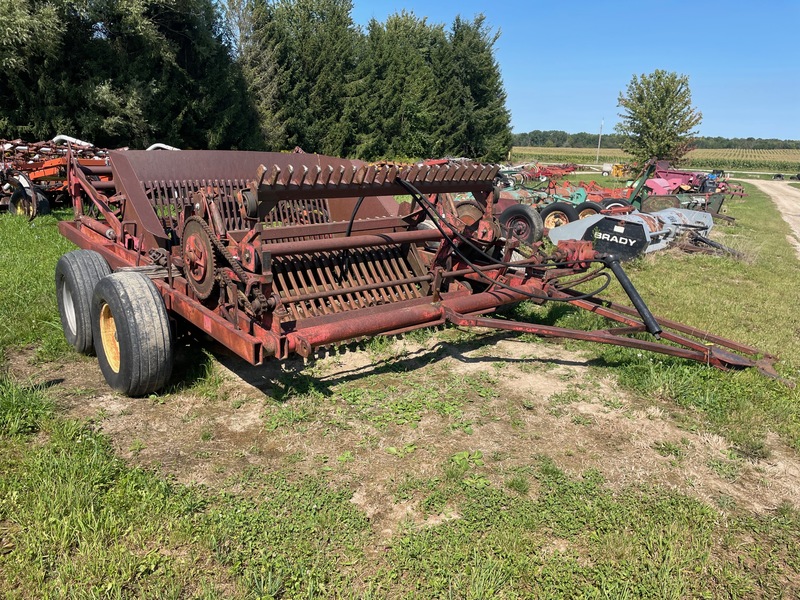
(519, 227)
(555, 218)
(108, 337)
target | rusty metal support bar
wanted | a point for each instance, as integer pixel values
(359, 241)
(606, 309)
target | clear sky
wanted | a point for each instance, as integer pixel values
(565, 62)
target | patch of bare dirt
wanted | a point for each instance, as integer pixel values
(547, 401)
(787, 199)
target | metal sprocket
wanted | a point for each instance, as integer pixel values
(199, 257)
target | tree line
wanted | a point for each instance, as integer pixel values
(562, 139)
(251, 74)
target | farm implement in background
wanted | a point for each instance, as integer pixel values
(280, 254)
(33, 175)
(523, 175)
(560, 202)
(628, 233)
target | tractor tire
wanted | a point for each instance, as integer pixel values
(429, 225)
(523, 222)
(77, 273)
(587, 209)
(606, 173)
(558, 213)
(132, 335)
(20, 204)
(614, 202)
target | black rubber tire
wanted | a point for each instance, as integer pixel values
(606, 173)
(614, 202)
(77, 273)
(524, 222)
(558, 213)
(428, 224)
(132, 336)
(588, 208)
(17, 204)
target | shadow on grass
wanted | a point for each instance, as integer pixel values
(281, 380)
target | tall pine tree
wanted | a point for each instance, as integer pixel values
(397, 89)
(310, 46)
(483, 127)
(121, 74)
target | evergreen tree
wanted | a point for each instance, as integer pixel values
(487, 134)
(121, 73)
(396, 89)
(309, 47)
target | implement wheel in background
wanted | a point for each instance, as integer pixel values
(132, 336)
(587, 209)
(614, 202)
(20, 204)
(77, 273)
(558, 213)
(523, 222)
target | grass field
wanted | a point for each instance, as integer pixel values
(730, 159)
(448, 464)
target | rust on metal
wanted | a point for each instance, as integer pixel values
(274, 254)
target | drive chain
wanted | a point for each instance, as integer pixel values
(260, 298)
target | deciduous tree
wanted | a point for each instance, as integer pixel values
(657, 118)
(121, 73)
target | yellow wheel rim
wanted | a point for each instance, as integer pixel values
(555, 218)
(108, 336)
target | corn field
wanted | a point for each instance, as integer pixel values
(724, 158)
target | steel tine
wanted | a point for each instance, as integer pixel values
(287, 176)
(273, 176)
(441, 173)
(302, 177)
(358, 176)
(347, 178)
(384, 174)
(326, 179)
(317, 176)
(337, 177)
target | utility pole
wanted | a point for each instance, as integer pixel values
(599, 139)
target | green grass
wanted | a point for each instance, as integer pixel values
(77, 521)
(576, 539)
(747, 301)
(28, 253)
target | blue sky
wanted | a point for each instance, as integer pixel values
(565, 63)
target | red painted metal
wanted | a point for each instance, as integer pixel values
(44, 165)
(311, 250)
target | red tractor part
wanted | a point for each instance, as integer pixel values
(278, 254)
